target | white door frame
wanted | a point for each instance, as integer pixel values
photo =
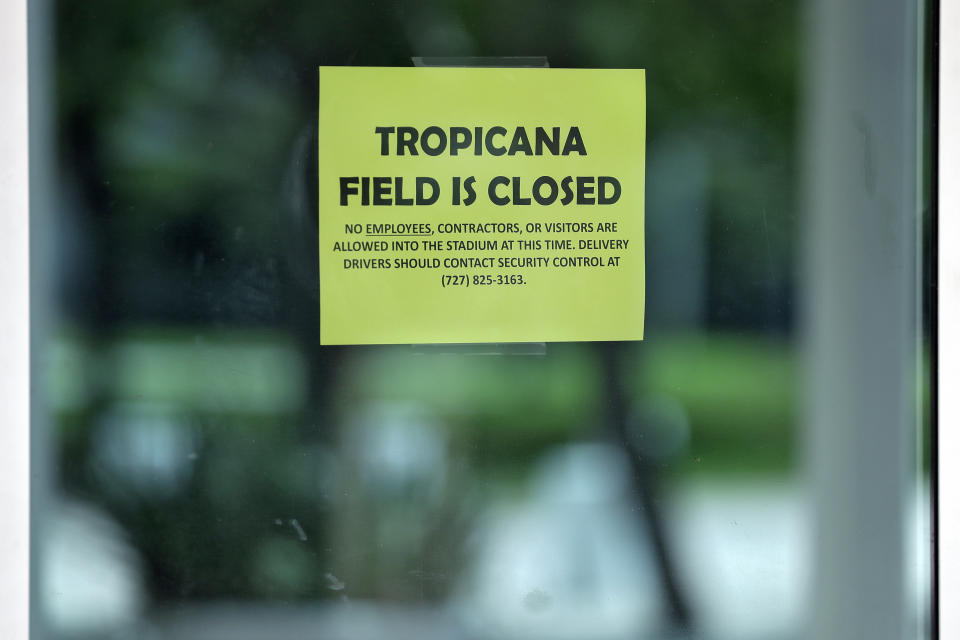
(14, 325)
(948, 320)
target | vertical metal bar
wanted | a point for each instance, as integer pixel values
(859, 321)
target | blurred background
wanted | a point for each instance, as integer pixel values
(204, 469)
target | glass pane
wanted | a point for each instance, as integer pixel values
(204, 468)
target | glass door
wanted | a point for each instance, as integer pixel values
(756, 467)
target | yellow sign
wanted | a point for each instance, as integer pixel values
(481, 205)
